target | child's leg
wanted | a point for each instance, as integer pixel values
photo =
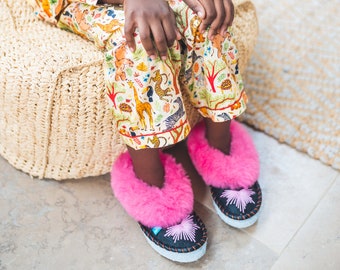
(218, 135)
(221, 150)
(146, 104)
(148, 166)
(211, 77)
(150, 115)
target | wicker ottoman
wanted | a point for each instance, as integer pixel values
(54, 117)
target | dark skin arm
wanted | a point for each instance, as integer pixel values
(156, 23)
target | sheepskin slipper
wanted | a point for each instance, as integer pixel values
(238, 208)
(232, 178)
(184, 242)
(239, 169)
(149, 205)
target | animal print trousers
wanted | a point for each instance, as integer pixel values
(146, 96)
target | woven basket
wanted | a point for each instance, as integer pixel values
(54, 117)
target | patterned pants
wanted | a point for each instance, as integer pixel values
(145, 94)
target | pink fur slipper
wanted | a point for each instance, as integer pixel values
(153, 206)
(240, 169)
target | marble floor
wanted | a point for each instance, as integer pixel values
(80, 225)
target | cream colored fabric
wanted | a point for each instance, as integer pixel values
(54, 119)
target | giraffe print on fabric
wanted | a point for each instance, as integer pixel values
(145, 95)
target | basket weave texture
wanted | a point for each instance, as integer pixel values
(54, 117)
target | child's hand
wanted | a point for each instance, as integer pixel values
(156, 24)
(218, 14)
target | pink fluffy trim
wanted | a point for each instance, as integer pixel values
(240, 169)
(149, 205)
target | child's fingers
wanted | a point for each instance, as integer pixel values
(129, 30)
(145, 34)
(219, 19)
(228, 21)
(210, 15)
(156, 25)
(170, 30)
(197, 7)
(160, 41)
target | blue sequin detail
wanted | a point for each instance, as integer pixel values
(156, 230)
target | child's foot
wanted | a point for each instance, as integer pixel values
(232, 176)
(165, 214)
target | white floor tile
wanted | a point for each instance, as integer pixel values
(317, 244)
(292, 184)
